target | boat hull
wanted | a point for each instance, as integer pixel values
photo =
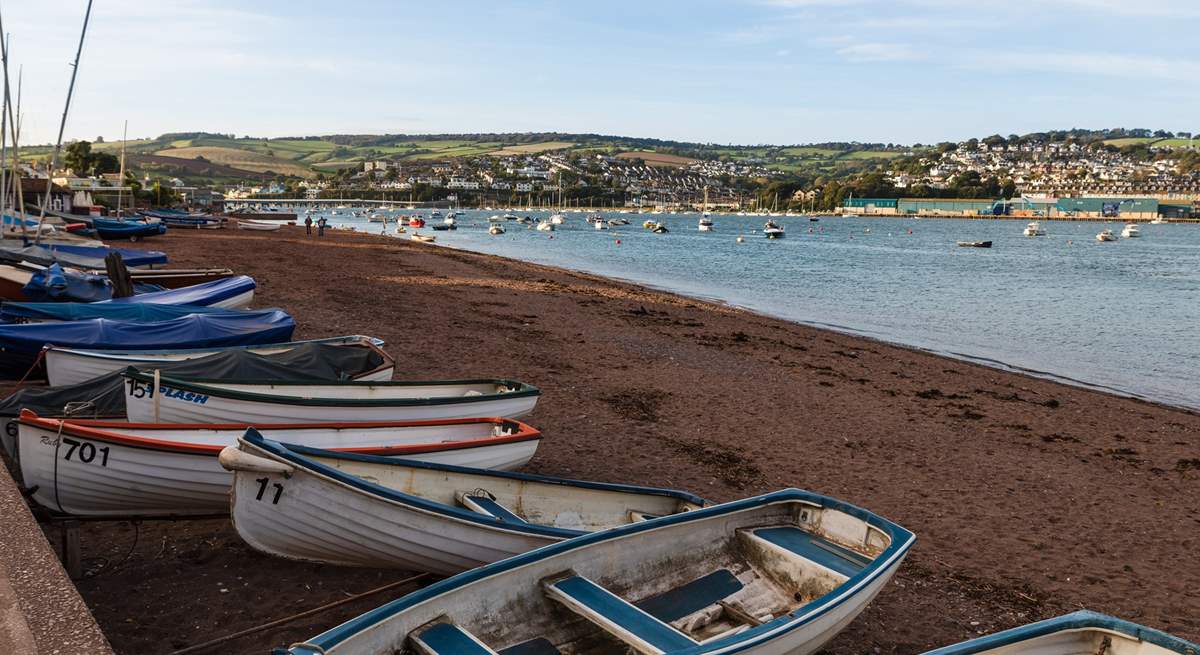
(173, 471)
(67, 366)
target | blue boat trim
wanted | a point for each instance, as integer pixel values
(539, 646)
(449, 639)
(618, 611)
(810, 547)
(901, 541)
(1081, 620)
(495, 509)
(517, 389)
(299, 455)
(691, 597)
(205, 293)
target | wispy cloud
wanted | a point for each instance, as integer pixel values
(1105, 64)
(878, 52)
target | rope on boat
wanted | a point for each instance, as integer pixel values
(288, 619)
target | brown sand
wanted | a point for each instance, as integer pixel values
(1029, 498)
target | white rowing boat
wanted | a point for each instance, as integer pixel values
(65, 366)
(157, 398)
(777, 574)
(1077, 633)
(260, 226)
(97, 468)
(359, 510)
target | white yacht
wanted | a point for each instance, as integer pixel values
(772, 230)
(1106, 235)
(706, 224)
(545, 226)
(1158, 220)
(1131, 231)
(495, 229)
(557, 219)
(1034, 229)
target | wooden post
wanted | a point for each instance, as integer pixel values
(122, 282)
(70, 545)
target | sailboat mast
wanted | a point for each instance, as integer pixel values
(4, 124)
(121, 179)
(62, 125)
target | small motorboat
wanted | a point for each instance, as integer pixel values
(416, 221)
(451, 219)
(377, 218)
(1077, 633)
(418, 516)
(556, 219)
(600, 224)
(423, 238)
(779, 573)
(177, 400)
(435, 214)
(442, 227)
(510, 217)
(1106, 235)
(1131, 231)
(495, 230)
(1159, 220)
(618, 221)
(1034, 229)
(260, 226)
(659, 228)
(705, 224)
(649, 224)
(974, 244)
(772, 230)
(97, 468)
(545, 226)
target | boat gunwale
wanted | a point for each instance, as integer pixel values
(92, 432)
(1075, 621)
(204, 386)
(300, 456)
(102, 353)
(901, 542)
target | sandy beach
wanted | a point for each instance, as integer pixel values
(1029, 498)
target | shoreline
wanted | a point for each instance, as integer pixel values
(980, 360)
(1007, 479)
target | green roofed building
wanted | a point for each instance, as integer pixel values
(945, 206)
(869, 206)
(1133, 208)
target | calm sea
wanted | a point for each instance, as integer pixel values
(1123, 316)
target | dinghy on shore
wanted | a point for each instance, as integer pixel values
(774, 574)
(98, 468)
(1078, 633)
(230, 293)
(362, 510)
(67, 366)
(156, 398)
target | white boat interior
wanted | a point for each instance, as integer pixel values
(368, 390)
(721, 578)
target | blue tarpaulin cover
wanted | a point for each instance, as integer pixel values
(56, 284)
(132, 258)
(21, 343)
(20, 312)
(204, 294)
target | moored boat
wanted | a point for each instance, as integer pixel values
(235, 292)
(1130, 231)
(93, 468)
(773, 574)
(496, 230)
(1106, 235)
(164, 399)
(67, 366)
(362, 510)
(1077, 633)
(258, 226)
(772, 230)
(1034, 229)
(423, 238)
(975, 244)
(21, 344)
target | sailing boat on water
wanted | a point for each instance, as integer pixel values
(706, 223)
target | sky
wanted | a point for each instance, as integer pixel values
(734, 71)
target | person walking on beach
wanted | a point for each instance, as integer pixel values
(308, 225)
(321, 222)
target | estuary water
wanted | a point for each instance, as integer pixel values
(1123, 316)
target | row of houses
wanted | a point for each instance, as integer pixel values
(1140, 208)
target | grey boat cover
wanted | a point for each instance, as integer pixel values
(104, 396)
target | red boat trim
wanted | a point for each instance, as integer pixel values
(104, 431)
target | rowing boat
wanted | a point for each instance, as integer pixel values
(361, 510)
(67, 366)
(21, 344)
(1077, 633)
(96, 468)
(261, 226)
(161, 398)
(776, 574)
(231, 293)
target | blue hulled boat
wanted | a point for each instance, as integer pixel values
(1075, 634)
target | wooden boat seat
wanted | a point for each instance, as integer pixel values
(539, 646)
(448, 639)
(488, 507)
(812, 548)
(691, 597)
(619, 618)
